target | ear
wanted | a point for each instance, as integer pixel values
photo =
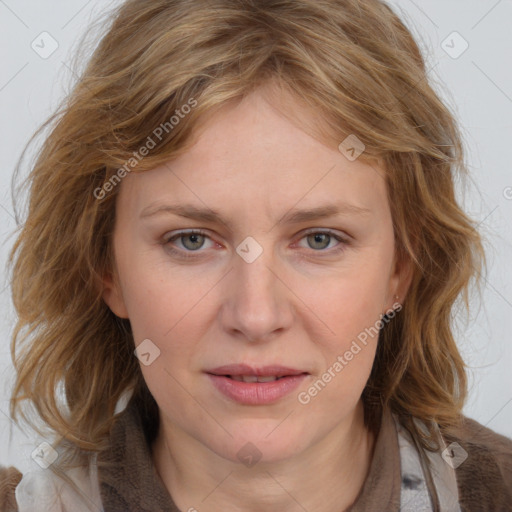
(112, 295)
(400, 280)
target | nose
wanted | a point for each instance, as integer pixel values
(257, 303)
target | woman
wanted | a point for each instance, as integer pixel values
(238, 266)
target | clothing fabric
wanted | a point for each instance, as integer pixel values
(401, 477)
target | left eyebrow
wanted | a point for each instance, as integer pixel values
(321, 212)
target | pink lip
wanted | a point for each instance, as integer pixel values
(255, 393)
(264, 371)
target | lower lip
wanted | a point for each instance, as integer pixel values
(256, 393)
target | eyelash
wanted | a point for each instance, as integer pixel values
(183, 253)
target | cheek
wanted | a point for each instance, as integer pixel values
(348, 303)
(173, 314)
(347, 355)
(157, 297)
(349, 306)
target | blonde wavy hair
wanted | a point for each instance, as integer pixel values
(359, 69)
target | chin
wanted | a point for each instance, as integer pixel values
(260, 442)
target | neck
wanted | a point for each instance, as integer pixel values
(326, 477)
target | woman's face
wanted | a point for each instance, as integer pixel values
(263, 285)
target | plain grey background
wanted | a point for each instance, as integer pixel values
(468, 45)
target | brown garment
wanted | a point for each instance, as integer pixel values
(484, 480)
(132, 465)
(131, 483)
(381, 489)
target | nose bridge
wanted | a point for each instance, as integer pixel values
(256, 303)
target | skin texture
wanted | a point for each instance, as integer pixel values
(299, 304)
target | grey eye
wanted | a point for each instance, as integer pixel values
(318, 238)
(196, 241)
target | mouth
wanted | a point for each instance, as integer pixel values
(256, 386)
(255, 378)
(246, 373)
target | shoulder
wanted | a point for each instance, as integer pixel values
(482, 460)
(9, 480)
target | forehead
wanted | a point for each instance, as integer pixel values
(255, 156)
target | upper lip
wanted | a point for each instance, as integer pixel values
(262, 371)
